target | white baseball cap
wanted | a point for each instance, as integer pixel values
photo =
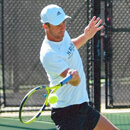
(53, 14)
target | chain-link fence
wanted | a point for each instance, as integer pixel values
(118, 53)
(23, 35)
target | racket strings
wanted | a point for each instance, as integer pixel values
(33, 104)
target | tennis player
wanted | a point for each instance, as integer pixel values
(60, 57)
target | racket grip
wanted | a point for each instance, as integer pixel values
(66, 79)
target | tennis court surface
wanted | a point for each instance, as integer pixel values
(121, 120)
(13, 123)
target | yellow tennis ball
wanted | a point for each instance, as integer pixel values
(52, 99)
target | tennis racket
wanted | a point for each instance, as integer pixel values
(29, 102)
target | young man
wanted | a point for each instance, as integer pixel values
(60, 57)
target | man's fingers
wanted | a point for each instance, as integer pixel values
(99, 23)
(97, 20)
(100, 28)
(75, 77)
(92, 20)
(74, 73)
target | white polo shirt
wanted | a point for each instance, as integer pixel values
(56, 57)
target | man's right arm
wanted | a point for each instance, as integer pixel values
(75, 76)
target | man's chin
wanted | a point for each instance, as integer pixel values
(61, 37)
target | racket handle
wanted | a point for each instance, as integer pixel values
(66, 79)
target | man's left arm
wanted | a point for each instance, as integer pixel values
(93, 27)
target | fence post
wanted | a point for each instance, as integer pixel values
(2, 51)
(97, 57)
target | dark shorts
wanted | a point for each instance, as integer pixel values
(75, 117)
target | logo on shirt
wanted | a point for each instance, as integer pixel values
(70, 50)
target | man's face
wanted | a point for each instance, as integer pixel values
(56, 33)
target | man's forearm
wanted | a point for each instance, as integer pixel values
(80, 41)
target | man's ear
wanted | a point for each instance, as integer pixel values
(45, 26)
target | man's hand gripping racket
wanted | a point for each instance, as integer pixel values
(25, 104)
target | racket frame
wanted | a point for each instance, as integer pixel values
(54, 89)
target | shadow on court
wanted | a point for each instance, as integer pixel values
(13, 124)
